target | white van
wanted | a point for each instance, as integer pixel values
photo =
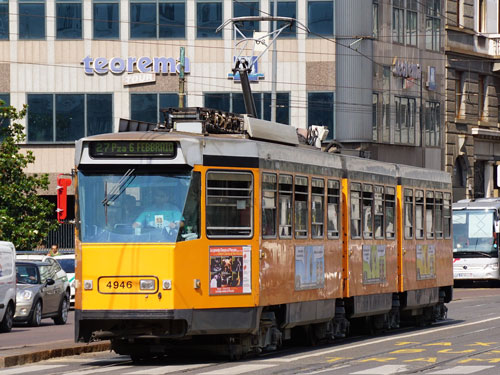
(7, 285)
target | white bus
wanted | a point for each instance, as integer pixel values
(476, 226)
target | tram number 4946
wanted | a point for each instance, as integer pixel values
(119, 285)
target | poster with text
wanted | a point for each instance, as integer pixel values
(309, 267)
(374, 264)
(426, 262)
(230, 270)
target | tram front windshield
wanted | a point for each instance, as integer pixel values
(473, 233)
(138, 207)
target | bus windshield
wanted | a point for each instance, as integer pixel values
(473, 233)
(138, 207)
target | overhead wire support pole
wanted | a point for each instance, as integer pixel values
(274, 75)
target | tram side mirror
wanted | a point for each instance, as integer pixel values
(62, 198)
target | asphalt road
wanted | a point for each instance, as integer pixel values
(468, 342)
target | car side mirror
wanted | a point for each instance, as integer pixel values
(50, 282)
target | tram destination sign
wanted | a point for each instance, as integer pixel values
(116, 149)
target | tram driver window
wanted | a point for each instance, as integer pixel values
(438, 206)
(355, 210)
(367, 211)
(301, 209)
(317, 207)
(408, 213)
(229, 204)
(429, 214)
(333, 209)
(269, 196)
(419, 214)
(285, 206)
(390, 213)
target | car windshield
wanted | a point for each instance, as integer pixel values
(27, 274)
(473, 232)
(138, 206)
(68, 265)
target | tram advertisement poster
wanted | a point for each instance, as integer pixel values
(426, 262)
(309, 267)
(374, 264)
(230, 270)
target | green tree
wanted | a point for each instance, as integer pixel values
(25, 217)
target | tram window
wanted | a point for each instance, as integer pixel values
(419, 214)
(367, 211)
(379, 212)
(285, 206)
(269, 195)
(191, 214)
(438, 204)
(317, 207)
(390, 199)
(229, 204)
(355, 210)
(301, 195)
(333, 209)
(408, 213)
(447, 215)
(429, 214)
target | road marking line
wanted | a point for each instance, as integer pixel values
(236, 370)
(461, 370)
(324, 370)
(27, 369)
(169, 368)
(95, 370)
(382, 370)
(397, 337)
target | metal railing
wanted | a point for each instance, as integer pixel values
(63, 236)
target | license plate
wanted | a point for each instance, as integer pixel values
(125, 285)
(463, 275)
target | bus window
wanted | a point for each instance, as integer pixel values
(301, 195)
(419, 214)
(379, 212)
(355, 210)
(229, 204)
(285, 206)
(269, 195)
(408, 213)
(333, 209)
(429, 214)
(439, 214)
(447, 215)
(317, 207)
(390, 199)
(367, 211)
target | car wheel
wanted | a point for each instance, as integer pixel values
(62, 315)
(8, 319)
(36, 315)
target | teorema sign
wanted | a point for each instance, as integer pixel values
(118, 65)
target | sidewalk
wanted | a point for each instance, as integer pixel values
(28, 354)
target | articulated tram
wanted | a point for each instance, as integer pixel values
(273, 239)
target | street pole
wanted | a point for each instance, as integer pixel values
(182, 93)
(275, 65)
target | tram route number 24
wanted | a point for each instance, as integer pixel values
(119, 285)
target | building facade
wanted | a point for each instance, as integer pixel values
(372, 71)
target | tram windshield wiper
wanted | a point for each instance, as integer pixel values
(478, 253)
(117, 190)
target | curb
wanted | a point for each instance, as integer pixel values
(23, 356)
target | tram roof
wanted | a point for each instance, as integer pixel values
(478, 204)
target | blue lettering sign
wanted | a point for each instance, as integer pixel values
(143, 64)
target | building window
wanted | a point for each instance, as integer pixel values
(460, 4)
(31, 19)
(459, 94)
(375, 18)
(106, 17)
(411, 22)
(247, 9)
(386, 105)
(68, 117)
(4, 19)
(432, 123)
(433, 25)
(321, 110)
(68, 19)
(398, 13)
(157, 19)
(406, 114)
(209, 18)
(374, 116)
(482, 94)
(146, 107)
(320, 17)
(285, 9)
(233, 102)
(481, 16)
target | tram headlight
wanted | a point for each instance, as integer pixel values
(147, 284)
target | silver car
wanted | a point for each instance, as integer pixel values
(43, 291)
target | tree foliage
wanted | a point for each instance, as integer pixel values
(25, 217)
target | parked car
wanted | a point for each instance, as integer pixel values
(42, 292)
(7, 285)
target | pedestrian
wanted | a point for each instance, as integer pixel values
(54, 251)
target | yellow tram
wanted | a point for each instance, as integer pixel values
(272, 239)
